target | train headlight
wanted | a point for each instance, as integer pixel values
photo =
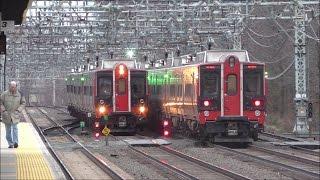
(102, 109)
(257, 102)
(142, 109)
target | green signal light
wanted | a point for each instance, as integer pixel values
(66, 79)
(82, 79)
(72, 79)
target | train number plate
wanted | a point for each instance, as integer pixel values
(232, 132)
(122, 124)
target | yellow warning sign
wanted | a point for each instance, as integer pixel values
(106, 131)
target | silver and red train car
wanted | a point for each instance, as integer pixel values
(113, 96)
(218, 95)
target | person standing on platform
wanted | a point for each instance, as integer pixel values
(12, 103)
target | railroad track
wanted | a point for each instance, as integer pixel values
(279, 137)
(300, 167)
(66, 150)
(285, 138)
(182, 166)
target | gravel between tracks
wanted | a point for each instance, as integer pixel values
(119, 154)
(227, 160)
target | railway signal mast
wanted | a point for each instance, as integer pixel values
(301, 127)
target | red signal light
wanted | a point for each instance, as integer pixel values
(166, 133)
(165, 123)
(97, 135)
(206, 103)
(96, 124)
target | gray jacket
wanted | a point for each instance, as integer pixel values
(11, 106)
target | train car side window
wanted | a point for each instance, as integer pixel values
(253, 82)
(232, 84)
(138, 86)
(210, 82)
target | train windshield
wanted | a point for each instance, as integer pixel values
(253, 82)
(105, 87)
(210, 83)
(138, 86)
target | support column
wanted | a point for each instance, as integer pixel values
(301, 127)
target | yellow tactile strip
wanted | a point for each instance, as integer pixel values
(31, 163)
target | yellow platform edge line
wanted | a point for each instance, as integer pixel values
(31, 163)
(32, 166)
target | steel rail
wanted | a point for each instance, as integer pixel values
(91, 156)
(288, 156)
(305, 150)
(201, 163)
(301, 172)
(173, 169)
(279, 136)
(205, 164)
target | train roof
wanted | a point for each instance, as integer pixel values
(109, 64)
(210, 56)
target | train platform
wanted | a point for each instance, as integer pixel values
(31, 160)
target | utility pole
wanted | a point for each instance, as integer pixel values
(301, 127)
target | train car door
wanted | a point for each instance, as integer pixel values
(231, 94)
(122, 92)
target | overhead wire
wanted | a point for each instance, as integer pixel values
(260, 44)
(270, 62)
(282, 73)
(264, 36)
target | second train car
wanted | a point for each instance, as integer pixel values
(113, 96)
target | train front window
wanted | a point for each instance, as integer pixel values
(210, 83)
(105, 87)
(253, 83)
(232, 84)
(138, 86)
(122, 86)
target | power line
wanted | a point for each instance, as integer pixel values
(261, 35)
(260, 44)
(282, 73)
